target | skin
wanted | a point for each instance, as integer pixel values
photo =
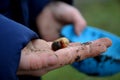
(37, 60)
(54, 16)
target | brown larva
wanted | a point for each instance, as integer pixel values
(60, 43)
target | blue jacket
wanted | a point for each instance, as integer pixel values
(15, 15)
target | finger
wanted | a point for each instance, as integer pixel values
(78, 21)
(105, 41)
(77, 53)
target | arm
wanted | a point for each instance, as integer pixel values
(23, 56)
(13, 38)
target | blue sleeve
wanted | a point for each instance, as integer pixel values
(13, 37)
(36, 6)
(66, 1)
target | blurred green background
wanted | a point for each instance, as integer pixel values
(104, 14)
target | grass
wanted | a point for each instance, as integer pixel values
(104, 14)
(69, 73)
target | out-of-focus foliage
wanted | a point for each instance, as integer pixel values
(104, 14)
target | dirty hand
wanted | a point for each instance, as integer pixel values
(37, 58)
(54, 16)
